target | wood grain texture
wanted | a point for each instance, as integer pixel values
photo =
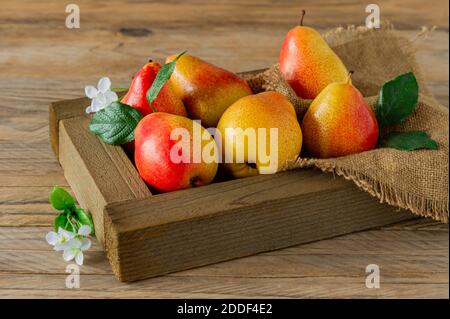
(412, 260)
(99, 173)
(42, 62)
(185, 229)
(59, 111)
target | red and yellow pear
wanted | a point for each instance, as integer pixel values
(157, 152)
(167, 100)
(205, 89)
(307, 62)
(339, 122)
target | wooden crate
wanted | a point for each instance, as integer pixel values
(146, 235)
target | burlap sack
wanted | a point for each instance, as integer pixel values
(414, 180)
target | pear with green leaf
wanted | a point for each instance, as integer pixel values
(167, 100)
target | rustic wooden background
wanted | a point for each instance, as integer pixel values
(43, 61)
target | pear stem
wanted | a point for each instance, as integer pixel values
(301, 18)
(348, 80)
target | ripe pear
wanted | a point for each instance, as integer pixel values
(339, 122)
(307, 62)
(158, 150)
(167, 100)
(205, 89)
(258, 114)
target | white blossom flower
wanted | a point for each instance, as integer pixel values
(72, 244)
(75, 250)
(60, 239)
(101, 96)
(85, 230)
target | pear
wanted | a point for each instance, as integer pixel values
(264, 130)
(205, 89)
(167, 100)
(307, 62)
(156, 147)
(339, 122)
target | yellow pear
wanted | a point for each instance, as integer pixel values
(260, 135)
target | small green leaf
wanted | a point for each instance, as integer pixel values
(397, 99)
(161, 78)
(61, 200)
(60, 221)
(409, 141)
(84, 218)
(115, 124)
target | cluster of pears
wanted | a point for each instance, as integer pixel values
(198, 90)
(338, 122)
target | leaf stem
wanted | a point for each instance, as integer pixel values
(69, 219)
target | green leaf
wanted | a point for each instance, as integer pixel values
(397, 99)
(60, 221)
(115, 124)
(61, 200)
(161, 78)
(84, 218)
(409, 141)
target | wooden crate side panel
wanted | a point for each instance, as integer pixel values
(249, 222)
(98, 173)
(206, 200)
(63, 110)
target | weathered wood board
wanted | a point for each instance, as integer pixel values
(146, 235)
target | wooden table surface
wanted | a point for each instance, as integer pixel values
(43, 61)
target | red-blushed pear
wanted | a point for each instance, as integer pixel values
(307, 62)
(339, 122)
(167, 101)
(205, 89)
(173, 152)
